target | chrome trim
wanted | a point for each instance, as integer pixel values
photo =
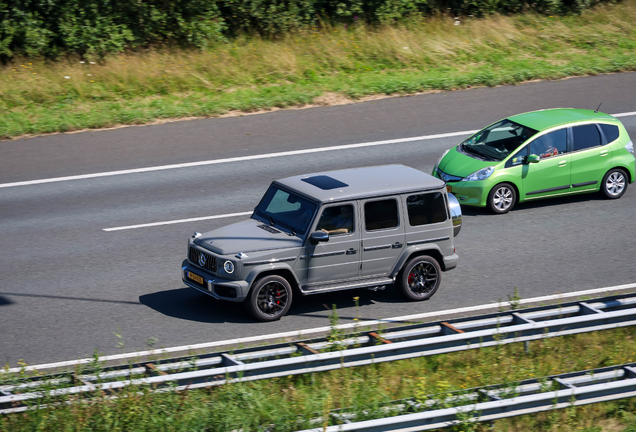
(241, 255)
(269, 261)
(196, 234)
(203, 290)
(448, 177)
(372, 248)
(416, 242)
(326, 254)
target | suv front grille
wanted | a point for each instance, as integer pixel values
(203, 259)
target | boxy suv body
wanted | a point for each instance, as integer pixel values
(331, 231)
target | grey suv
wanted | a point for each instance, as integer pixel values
(331, 231)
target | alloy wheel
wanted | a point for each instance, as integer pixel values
(615, 183)
(502, 199)
(422, 278)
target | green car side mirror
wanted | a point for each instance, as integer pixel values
(533, 158)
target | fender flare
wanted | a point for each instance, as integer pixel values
(417, 250)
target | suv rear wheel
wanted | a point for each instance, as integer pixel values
(270, 298)
(420, 278)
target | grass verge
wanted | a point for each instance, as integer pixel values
(251, 74)
(285, 404)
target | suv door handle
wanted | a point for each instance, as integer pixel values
(563, 163)
(397, 245)
(352, 251)
(603, 153)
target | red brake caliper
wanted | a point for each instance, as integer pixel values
(411, 277)
(278, 296)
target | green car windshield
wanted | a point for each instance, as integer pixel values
(497, 141)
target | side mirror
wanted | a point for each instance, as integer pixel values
(532, 158)
(318, 236)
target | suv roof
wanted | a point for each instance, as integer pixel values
(544, 119)
(360, 182)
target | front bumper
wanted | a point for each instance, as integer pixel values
(473, 193)
(220, 289)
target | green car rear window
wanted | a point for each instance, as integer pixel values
(611, 132)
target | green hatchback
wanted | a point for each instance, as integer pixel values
(540, 154)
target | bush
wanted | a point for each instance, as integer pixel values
(94, 28)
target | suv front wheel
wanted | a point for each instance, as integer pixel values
(420, 278)
(270, 298)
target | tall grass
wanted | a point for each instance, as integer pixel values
(286, 404)
(251, 73)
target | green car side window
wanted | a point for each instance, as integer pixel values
(551, 144)
(518, 158)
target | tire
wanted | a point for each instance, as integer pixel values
(502, 198)
(270, 298)
(420, 278)
(614, 183)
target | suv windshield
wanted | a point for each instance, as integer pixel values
(286, 209)
(496, 142)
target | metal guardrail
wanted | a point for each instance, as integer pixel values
(309, 356)
(491, 403)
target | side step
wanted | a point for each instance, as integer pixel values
(339, 286)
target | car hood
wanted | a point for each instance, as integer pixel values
(459, 164)
(246, 236)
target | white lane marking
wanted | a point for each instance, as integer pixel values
(178, 221)
(235, 159)
(305, 333)
(253, 157)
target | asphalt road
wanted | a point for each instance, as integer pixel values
(67, 287)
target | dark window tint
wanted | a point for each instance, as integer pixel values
(518, 158)
(380, 214)
(426, 208)
(610, 131)
(325, 182)
(585, 136)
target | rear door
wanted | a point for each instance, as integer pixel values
(383, 236)
(590, 158)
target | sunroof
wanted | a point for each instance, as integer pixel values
(324, 182)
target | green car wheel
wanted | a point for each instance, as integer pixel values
(614, 184)
(502, 198)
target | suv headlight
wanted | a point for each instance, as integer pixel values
(228, 266)
(630, 147)
(482, 174)
(439, 160)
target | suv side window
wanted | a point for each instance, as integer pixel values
(585, 136)
(337, 220)
(380, 214)
(610, 131)
(426, 209)
(550, 144)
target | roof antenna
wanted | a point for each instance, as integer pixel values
(599, 105)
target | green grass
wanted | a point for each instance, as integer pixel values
(289, 402)
(309, 67)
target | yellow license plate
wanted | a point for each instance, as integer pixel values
(448, 189)
(195, 277)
